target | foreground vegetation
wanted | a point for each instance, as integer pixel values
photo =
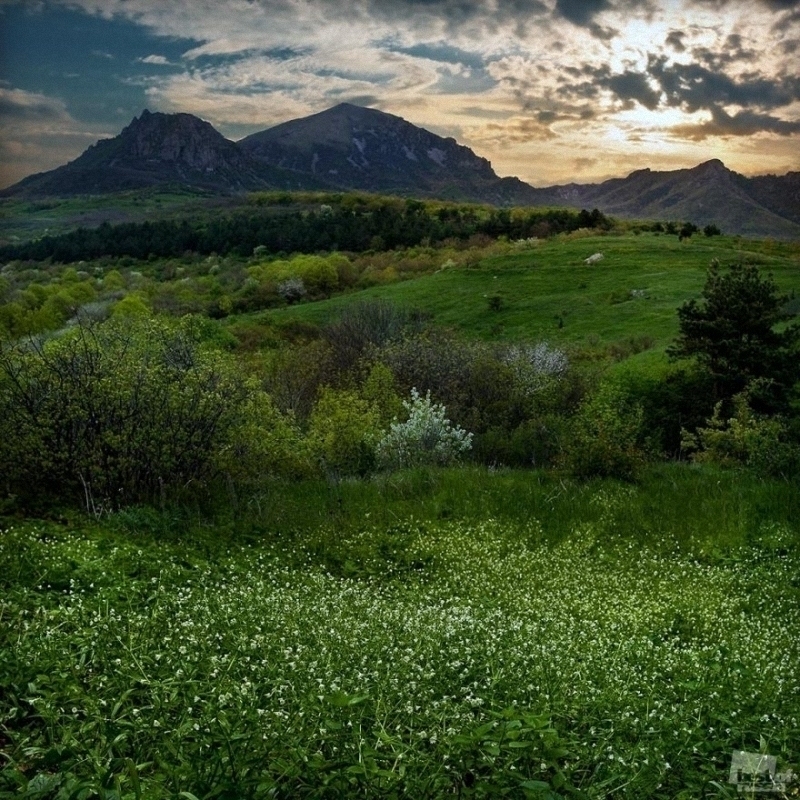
(575, 643)
(236, 559)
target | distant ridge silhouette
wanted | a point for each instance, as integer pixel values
(350, 147)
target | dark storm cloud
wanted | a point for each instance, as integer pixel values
(788, 19)
(625, 86)
(694, 87)
(782, 5)
(631, 86)
(732, 51)
(444, 53)
(675, 41)
(744, 123)
(581, 12)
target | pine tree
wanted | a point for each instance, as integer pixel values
(732, 333)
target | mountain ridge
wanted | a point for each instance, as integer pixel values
(349, 147)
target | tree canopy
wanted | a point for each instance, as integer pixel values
(735, 332)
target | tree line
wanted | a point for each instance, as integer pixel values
(378, 226)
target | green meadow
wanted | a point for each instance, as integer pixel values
(430, 634)
(219, 582)
(547, 291)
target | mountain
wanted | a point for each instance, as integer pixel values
(780, 194)
(157, 149)
(709, 193)
(351, 147)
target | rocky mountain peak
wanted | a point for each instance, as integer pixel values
(181, 138)
(365, 148)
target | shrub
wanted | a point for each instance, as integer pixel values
(426, 437)
(295, 375)
(363, 325)
(118, 412)
(606, 435)
(746, 439)
(342, 431)
(535, 365)
(292, 290)
(263, 443)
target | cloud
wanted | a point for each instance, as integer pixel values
(675, 41)
(157, 60)
(441, 52)
(743, 123)
(630, 86)
(37, 133)
(580, 12)
(18, 106)
(772, 5)
(731, 51)
(627, 86)
(518, 130)
(694, 87)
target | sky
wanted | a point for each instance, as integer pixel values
(552, 91)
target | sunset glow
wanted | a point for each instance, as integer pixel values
(548, 90)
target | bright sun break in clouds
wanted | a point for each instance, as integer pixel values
(549, 90)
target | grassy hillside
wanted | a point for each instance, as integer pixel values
(548, 292)
(23, 220)
(297, 614)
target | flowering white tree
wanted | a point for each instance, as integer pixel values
(426, 437)
(292, 289)
(534, 366)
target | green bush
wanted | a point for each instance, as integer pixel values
(263, 443)
(606, 437)
(746, 439)
(342, 432)
(119, 412)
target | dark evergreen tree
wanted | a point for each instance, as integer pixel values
(734, 334)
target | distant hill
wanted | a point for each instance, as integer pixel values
(707, 194)
(349, 147)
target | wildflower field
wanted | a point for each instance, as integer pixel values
(575, 645)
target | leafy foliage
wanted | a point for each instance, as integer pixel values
(607, 435)
(119, 412)
(747, 438)
(342, 432)
(426, 437)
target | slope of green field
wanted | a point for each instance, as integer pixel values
(548, 292)
(23, 220)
